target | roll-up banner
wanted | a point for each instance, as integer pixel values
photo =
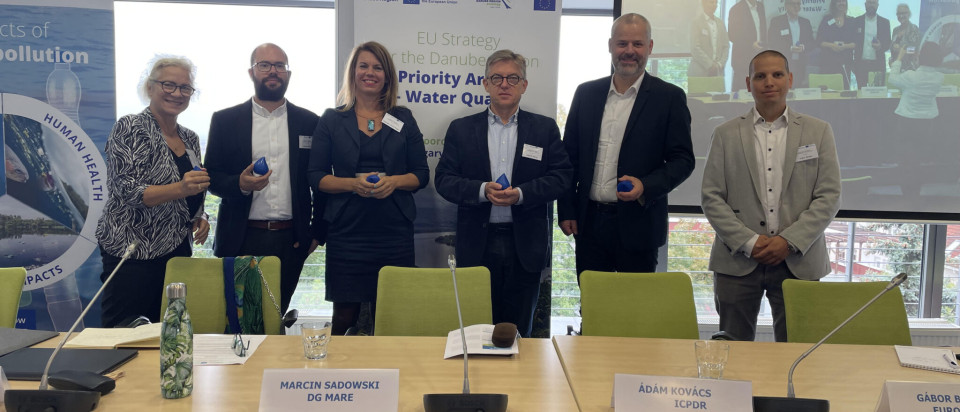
(57, 100)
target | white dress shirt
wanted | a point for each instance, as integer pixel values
(754, 12)
(502, 148)
(270, 139)
(770, 140)
(616, 113)
(869, 33)
(794, 35)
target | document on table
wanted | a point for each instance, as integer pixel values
(143, 336)
(218, 349)
(478, 342)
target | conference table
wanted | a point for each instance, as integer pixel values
(849, 376)
(533, 379)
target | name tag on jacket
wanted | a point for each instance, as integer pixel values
(807, 152)
(532, 152)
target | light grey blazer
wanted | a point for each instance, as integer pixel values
(731, 194)
(703, 52)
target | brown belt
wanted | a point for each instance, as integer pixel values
(270, 224)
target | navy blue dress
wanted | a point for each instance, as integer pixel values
(369, 234)
(832, 61)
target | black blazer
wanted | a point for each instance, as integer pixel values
(229, 150)
(656, 149)
(782, 42)
(743, 33)
(883, 36)
(336, 152)
(465, 165)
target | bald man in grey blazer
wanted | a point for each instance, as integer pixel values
(771, 186)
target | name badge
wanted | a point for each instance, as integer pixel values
(872, 92)
(918, 396)
(807, 93)
(670, 394)
(807, 152)
(532, 152)
(784, 32)
(306, 142)
(392, 122)
(831, 22)
(341, 390)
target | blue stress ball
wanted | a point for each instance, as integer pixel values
(502, 180)
(197, 169)
(373, 179)
(625, 186)
(260, 167)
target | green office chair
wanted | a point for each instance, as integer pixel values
(831, 81)
(420, 302)
(11, 286)
(639, 305)
(814, 309)
(700, 85)
(952, 78)
(205, 301)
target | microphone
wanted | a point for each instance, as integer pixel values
(466, 401)
(45, 399)
(793, 404)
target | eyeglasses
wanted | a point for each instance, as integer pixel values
(238, 347)
(497, 79)
(170, 87)
(265, 67)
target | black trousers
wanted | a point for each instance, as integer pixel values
(513, 290)
(137, 288)
(738, 300)
(279, 243)
(600, 248)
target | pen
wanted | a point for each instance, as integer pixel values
(953, 363)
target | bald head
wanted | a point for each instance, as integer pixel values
(631, 18)
(264, 47)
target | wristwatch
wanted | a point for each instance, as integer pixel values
(792, 248)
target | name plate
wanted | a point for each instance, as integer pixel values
(344, 390)
(807, 93)
(948, 90)
(872, 92)
(743, 95)
(898, 396)
(670, 394)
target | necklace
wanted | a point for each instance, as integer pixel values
(371, 124)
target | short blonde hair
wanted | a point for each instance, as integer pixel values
(159, 63)
(348, 90)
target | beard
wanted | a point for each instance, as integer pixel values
(271, 95)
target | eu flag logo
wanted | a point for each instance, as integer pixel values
(545, 5)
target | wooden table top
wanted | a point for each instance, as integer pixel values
(849, 376)
(533, 379)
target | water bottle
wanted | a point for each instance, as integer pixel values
(176, 345)
(63, 90)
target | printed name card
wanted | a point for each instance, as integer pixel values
(807, 93)
(948, 90)
(343, 390)
(898, 396)
(670, 394)
(743, 95)
(872, 92)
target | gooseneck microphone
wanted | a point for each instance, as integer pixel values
(463, 402)
(45, 399)
(791, 402)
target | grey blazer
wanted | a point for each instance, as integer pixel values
(730, 195)
(703, 52)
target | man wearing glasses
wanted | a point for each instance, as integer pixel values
(792, 35)
(271, 213)
(504, 167)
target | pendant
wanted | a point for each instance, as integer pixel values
(370, 125)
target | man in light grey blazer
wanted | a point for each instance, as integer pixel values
(771, 186)
(709, 44)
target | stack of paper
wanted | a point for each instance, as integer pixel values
(143, 336)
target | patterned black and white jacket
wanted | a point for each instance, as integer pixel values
(138, 157)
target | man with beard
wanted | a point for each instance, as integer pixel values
(630, 127)
(269, 214)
